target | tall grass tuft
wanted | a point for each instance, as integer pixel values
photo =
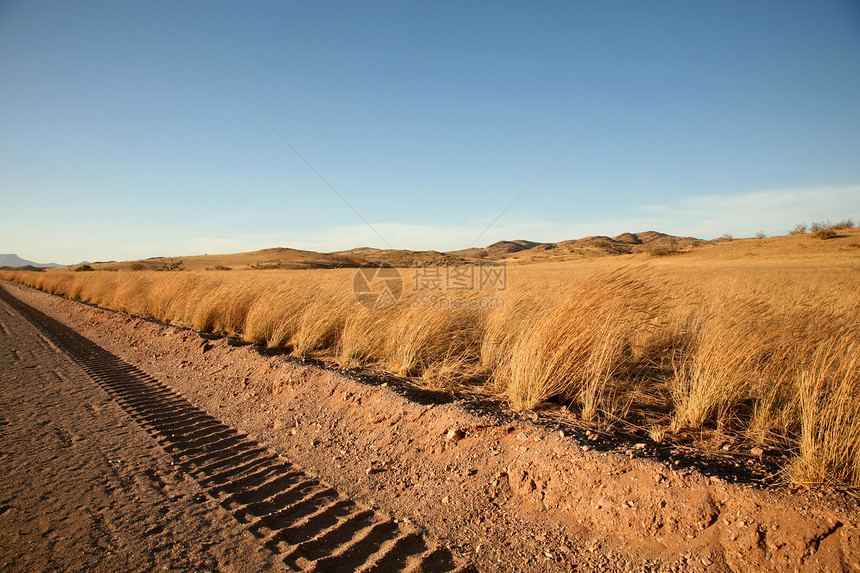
(322, 321)
(274, 315)
(362, 341)
(829, 396)
(580, 341)
(425, 338)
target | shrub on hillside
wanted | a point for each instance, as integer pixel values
(662, 251)
(170, 265)
(827, 230)
(825, 234)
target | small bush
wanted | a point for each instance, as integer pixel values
(222, 268)
(727, 237)
(760, 235)
(798, 229)
(844, 224)
(138, 267)
(825, 234)
(825, 229)
(170, 265)
(662, 251)
(84, 268)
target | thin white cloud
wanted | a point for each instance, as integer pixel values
(775, 212)
(743, 214)
(706, 216)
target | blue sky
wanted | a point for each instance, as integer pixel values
(140, 129)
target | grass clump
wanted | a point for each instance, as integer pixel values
(581, 341)
(829, 396)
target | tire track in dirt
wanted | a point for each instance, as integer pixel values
(308, 523)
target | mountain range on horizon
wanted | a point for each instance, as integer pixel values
(521, 249)
(512, 251)
(13, 260)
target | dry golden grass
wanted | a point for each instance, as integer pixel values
(756, 339)
(828, 390)
(580, 343)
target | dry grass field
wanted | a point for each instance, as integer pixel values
(754, 340)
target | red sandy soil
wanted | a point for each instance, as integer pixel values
(84, 488)
(504, 492)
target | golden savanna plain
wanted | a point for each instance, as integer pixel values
(750, 341)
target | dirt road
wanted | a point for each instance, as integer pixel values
(84, 488)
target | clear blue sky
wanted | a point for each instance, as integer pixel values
(136, 129)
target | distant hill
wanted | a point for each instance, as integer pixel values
(400, 257)
(10, 260)
(515, 251)
(585, 248)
